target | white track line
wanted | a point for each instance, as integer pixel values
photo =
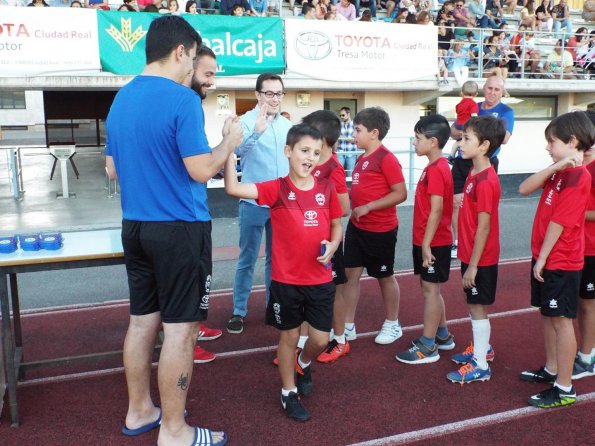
(250, 351)
(458, 426)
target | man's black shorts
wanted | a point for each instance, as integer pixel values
(460, 172)
(338, 263)
(557, 295)
(588, 279)
(169, 268)
(290, 305)
(486, 282)
(439, 271)
(373, 250)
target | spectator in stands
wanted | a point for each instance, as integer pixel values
(482, 20)
(227, 5)
(401, 16)
(528, 16)
(366, 16)
(191, 7)
(308, 11)
(258, 8)
(445, 13)
(173, 7)
(463, 19)
(330, 16)
(561, 15)
(237, 11)
(411, 19)
(559, 64)
(507, 50)
(321, 8)
(445, 35)
(494, 62)
(409, 5)
(346, 146)
(457, 61)
(337, 16)
(423, 18)
(544, 16)
(585, 58)
(371, 4)
(39, 4)
(530, 55)
(510, 5)
(150, 8)
(126, 8)
(142, 4)
(97, 4)
(471, 44)
(442, 69)
(578, 40)
(589, 10)
(495, 11)
(346, 9)
(76, 4)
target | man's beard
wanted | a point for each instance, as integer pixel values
(198, 87)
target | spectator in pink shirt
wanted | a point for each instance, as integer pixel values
(346, 9)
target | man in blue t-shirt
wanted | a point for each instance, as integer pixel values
(158, 150)
(493, 90)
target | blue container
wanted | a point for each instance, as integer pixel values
(29, 242)
(8, 245)
(51, 241)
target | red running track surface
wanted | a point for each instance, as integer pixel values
(363, 397)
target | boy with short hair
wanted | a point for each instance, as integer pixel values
(306, 216)
(558, 246)
(432, 238)
(479, 244)
(465, 109)
(377, 187)
(584, 363)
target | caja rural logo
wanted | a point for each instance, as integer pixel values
(125, 37)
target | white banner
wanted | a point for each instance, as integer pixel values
(48, 41)
(360, 51)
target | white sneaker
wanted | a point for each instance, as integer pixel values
(453, 251)
(350, 335)
(389, 333)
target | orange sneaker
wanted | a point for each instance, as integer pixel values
(208, 334)
(333, 352)
(276, 360)
(201, 356)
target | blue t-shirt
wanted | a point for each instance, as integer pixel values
(503, 112)
(152, 125)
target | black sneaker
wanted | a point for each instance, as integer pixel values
(553, 397)
(293, 407)
(303, 378)
(538, 376)
(235, 324)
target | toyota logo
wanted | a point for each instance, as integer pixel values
(310, 215)
(313, 45)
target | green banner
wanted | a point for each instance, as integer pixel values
(243, 45)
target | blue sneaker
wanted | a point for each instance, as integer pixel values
(469, 373)
(467, 355)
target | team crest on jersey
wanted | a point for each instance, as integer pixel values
(320, 199)
(469, 188)
(291, 195)
(365, 165)
(317, 173)
(310, 218)
(355, 178)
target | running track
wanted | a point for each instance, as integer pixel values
(366, 398)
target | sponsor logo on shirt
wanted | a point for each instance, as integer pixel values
(548, 199)
(365, 165)
(291, 196)
(320, 199)
(469, 188)
(355, 178)
(310, 218)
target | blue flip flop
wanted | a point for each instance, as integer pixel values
(204, 437)
(147, 427)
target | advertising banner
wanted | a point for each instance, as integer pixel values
(47, 41)
(360, 51)
(243, 45)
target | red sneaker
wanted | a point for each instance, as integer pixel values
(333, 352)
(276, 360)
(208, 334)
(201, 356)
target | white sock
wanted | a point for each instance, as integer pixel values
(285, 392)
(391, 323)
(586, 358)
(302, 364)
(302, 341)
(564, 388)
(340, 339)
(349, 326)
(545, 369)
(481, 341)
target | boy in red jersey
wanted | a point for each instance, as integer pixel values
(432, 238)
(584, 363)
(479, 244)
(305, 214)
(377, 187)
(558, 247)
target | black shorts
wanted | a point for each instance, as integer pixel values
(290, 305)
(169, 268)
(373, 250)
(338, 263)
(437, 273)
(557, 295)
(486, 282)
(460, 172)
(587, 290)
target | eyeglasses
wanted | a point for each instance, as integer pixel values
(272, 94)
(459, 6)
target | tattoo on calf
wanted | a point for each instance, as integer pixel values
(183, 382)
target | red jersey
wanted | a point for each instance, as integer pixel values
(301, 219)
(564, 201)
(465, 109)
(590, 225)
(333, 171)
(372, 178)
(481, 194)
(436, 179)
